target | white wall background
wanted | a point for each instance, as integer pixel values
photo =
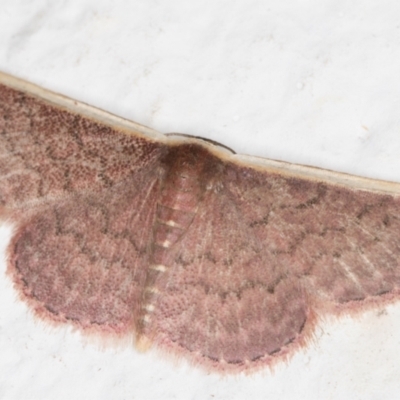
(308, 81)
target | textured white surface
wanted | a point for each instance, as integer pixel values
(314, 82)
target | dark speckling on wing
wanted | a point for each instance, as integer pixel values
(226, 264)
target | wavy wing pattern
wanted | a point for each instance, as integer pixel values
(228, 264)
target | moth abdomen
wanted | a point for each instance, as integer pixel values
(182, 189)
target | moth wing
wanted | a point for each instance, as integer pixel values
(84, 259)
(82, 194)
(226, 300)
(51, 147)
(352, 260)
(262, 258)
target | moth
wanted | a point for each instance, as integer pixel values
(226, 260)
